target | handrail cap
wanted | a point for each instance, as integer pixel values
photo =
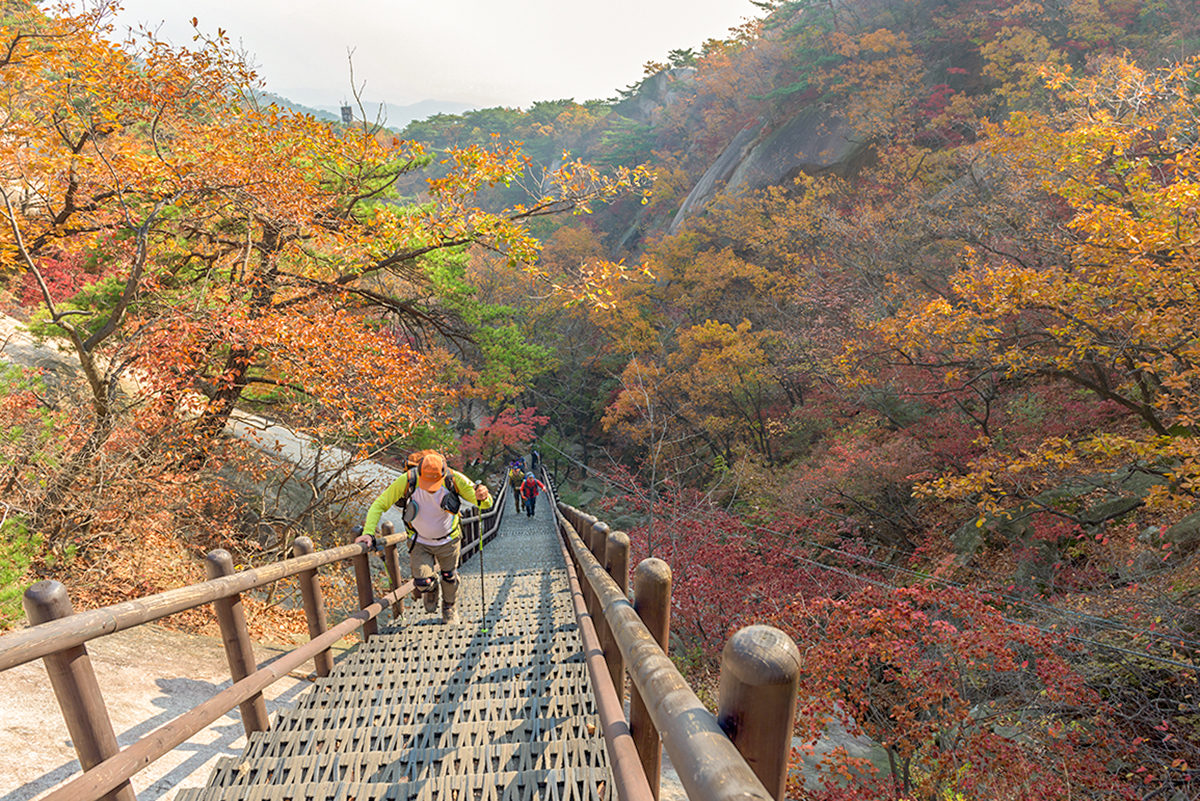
(761, 655)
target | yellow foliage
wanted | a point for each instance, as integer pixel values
(1116, 314)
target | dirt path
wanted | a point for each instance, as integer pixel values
(148, 676)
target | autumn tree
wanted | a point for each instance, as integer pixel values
(246, 252)
(963, 701)
(507, 432)
(1109, 310)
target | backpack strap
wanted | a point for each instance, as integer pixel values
(409, 488)
(411, 485)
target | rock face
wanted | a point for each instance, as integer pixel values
(1096, 500)
(657, 93)
(774, 154)
(717, 176)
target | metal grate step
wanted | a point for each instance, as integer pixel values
(436, 662)
(399, 739)
(408, 766)
(407, 686)
(368, 709)
(496, 707)
(569, 784)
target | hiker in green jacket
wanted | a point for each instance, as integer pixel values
(432, 494)
(515, 476)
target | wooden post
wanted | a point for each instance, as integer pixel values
(75, 685)
(366, 593)
(236, 638)
(571, 515)
(584, 529)
(760, 670)
(616, 564)
(597, 541)
(314, 606)
(652, 601)
(391, 563)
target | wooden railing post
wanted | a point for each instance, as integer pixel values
(616, 564)
(236, 638)
(652, 601)
(366, 593)
(597, 541)
(572, 517)
(75, 685)
(760, 669)
(583, 526)
(314, 606)
(391, 563)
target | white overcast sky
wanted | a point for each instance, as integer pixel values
(476, 52)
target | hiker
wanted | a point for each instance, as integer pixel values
(515, 476)
(530, 488)
(535, 461)
(431, 494)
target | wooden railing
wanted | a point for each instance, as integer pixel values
(739, 753)
(57, 635)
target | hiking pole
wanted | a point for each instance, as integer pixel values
(482, 586)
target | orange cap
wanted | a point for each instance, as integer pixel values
(431, 472)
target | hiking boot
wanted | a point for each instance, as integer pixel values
(449, 615)
(430, 599)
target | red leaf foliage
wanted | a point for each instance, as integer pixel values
(510, 429)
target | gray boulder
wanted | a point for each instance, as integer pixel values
(1184, 536)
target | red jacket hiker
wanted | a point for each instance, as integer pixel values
(530, 488)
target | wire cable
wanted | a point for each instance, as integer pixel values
(1073, 637)
(1096, 620)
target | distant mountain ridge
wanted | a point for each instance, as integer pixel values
(282, 102)
(398, 116)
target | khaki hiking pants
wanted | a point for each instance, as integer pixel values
(432, 562)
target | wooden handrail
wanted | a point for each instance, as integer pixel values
(36, 642)
(19, 647)
(708, 763)
(118, 768)
(629, 778)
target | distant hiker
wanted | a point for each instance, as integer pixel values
(515, 477)
(535, 461)
(530, 488)
(431, 495)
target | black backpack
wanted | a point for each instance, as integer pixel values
(450, 503)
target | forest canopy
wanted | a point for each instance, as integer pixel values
(875, 319)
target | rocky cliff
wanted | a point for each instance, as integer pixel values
(773, 154)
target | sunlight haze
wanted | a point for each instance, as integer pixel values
(475, 52)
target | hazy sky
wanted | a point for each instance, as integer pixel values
(479, 52)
